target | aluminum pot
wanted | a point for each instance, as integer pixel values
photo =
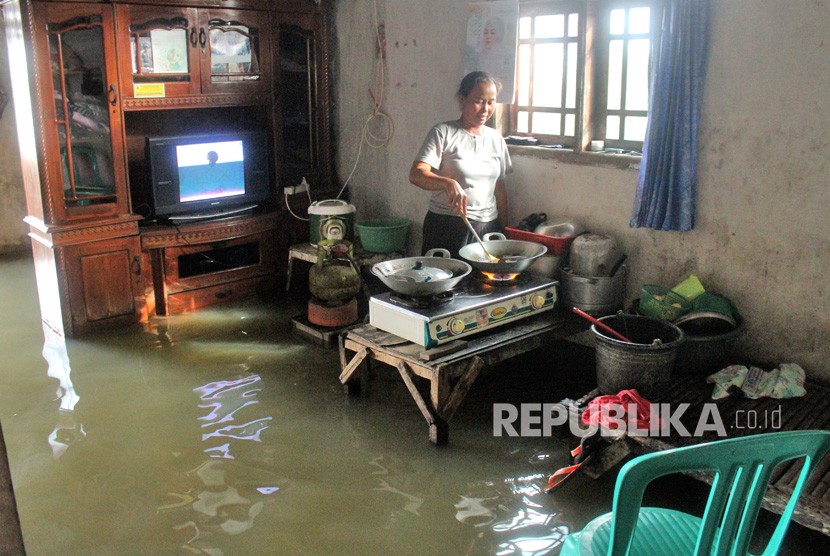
(432, 274)
(596, 295)
(514, 255)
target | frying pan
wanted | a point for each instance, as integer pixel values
(514, 256)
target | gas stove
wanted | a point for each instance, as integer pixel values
(473, 306)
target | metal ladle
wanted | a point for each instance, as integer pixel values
(478, 239)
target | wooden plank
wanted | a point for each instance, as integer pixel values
(448, 409)
(407, 377)
(440, 351)
(353, 365)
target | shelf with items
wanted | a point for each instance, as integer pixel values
(173, 56)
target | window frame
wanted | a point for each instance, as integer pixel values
(592, 74)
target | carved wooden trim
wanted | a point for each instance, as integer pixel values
(173, 236)
(43, 161)
(212, 100)
(63, 238)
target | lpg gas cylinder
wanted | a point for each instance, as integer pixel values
(335, 277)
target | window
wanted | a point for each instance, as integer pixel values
(582, 72)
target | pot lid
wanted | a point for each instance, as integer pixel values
(421, 273)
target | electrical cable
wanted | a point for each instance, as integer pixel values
(387, 128)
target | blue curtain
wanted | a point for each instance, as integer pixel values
(665, 198)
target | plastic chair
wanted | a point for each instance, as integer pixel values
(742, 469)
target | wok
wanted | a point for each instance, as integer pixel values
(514, 255)
(432, 274)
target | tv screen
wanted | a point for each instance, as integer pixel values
(210, 170)
(208, 175)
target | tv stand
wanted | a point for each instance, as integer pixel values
(202, 262)
(212, 214)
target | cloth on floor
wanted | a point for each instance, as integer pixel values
(599, 410)
(785, 381)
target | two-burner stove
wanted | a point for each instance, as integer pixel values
(473, 306)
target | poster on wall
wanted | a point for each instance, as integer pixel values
(491, 42)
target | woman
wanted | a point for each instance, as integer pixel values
(463, 163)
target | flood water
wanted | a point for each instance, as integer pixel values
(223, 431)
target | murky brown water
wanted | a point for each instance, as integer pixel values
(223, 432)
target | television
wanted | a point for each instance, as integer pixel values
(195, 177)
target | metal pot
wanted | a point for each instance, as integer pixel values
(593, 255)
(432, 274)
(596, 295)
(514, 255)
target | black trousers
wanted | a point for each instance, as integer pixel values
(451, 233)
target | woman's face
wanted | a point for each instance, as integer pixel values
(490, 36)
(478, 106)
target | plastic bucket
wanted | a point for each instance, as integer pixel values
(643, 365)
(383, 235)
(706, 354)
(331, 219)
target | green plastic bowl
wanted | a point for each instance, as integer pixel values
(662, 303)
(384, 235)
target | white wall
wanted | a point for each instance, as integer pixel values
(762, 236)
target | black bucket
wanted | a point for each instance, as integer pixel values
(643, 365)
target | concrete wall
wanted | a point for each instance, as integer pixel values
(762, 236)
(12, 200)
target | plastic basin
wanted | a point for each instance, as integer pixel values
(384, 235)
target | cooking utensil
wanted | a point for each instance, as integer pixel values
(596, 295)
(436, 264)
(616, 266)
(514, 256)
(478, 239)
(601, 324)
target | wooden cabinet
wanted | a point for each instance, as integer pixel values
(200, 264)
(303, 101)
(99, 78)
(169, 52)
(104, 282)
(83, 168)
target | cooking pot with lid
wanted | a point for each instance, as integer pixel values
(432, 274)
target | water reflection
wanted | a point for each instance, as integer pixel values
(514, 516)
(67, 430)
(231, 488)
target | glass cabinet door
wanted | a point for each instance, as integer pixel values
(238, 52)
(163, 51)
(298, 97)
(86, 162)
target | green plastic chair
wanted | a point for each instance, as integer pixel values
(742, 469)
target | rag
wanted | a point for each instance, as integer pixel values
(599, 410)
(785, 381)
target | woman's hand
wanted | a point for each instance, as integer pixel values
(422, 175)
(457, 197)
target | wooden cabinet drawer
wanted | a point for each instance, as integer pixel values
(194, 299)
(198, 266)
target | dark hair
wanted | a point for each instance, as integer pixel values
(474, 78)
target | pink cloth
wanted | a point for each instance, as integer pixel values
(595, 414)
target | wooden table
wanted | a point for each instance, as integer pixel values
(452, 368)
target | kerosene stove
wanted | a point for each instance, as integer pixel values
(476, 304)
